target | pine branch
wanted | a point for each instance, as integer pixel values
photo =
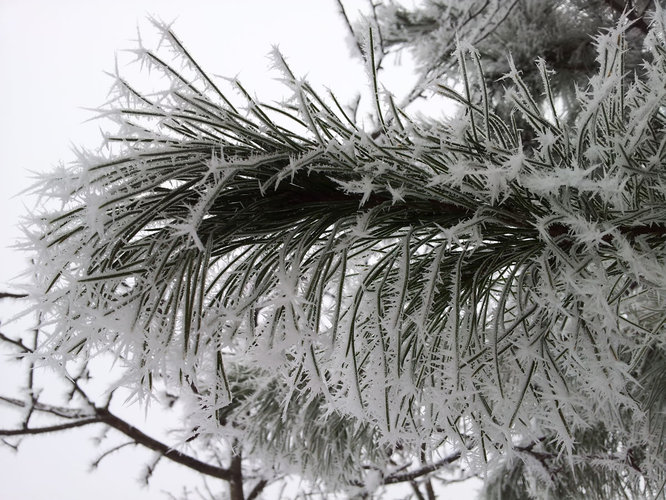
(319, 288)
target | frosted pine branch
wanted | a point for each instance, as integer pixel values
(328, 295)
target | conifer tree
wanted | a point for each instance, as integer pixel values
(482, 293)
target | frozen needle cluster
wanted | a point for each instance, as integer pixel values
(333, 296)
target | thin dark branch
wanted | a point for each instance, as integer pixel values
(152, 444)
(544, 457)
(430, 491)
(350, 28)
(426, 469)
(380, 36)
(31, 381)
(631, 232)
(9, 295)
(150, 469)
(31, 431)
(496, 24)
(258, 488)
(427, 483)
(10, 445)
(16, 343)
(103, 415)
(417, 492)
(59, 411)
(236, 474)
(96, 463)
(74, 380)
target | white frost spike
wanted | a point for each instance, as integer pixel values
(397, 194)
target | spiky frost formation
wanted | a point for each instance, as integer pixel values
(333, 297)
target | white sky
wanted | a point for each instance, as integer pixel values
(53, 55)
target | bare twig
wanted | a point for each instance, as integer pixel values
(150, 469)
(416, 490)
(427, 483)
(258, 488)
(80, 418)
(31, 380)
(380, 36)
(58, 411)
(10, 445)
(96, 463)
(152, 444)
(9, 295)
(32, 431)
(426, 469)
(350, 28)
(17, 343)
(103, 415)
(236, 473)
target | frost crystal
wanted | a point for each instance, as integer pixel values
(329, 294)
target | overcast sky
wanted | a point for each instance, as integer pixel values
(53, 58)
